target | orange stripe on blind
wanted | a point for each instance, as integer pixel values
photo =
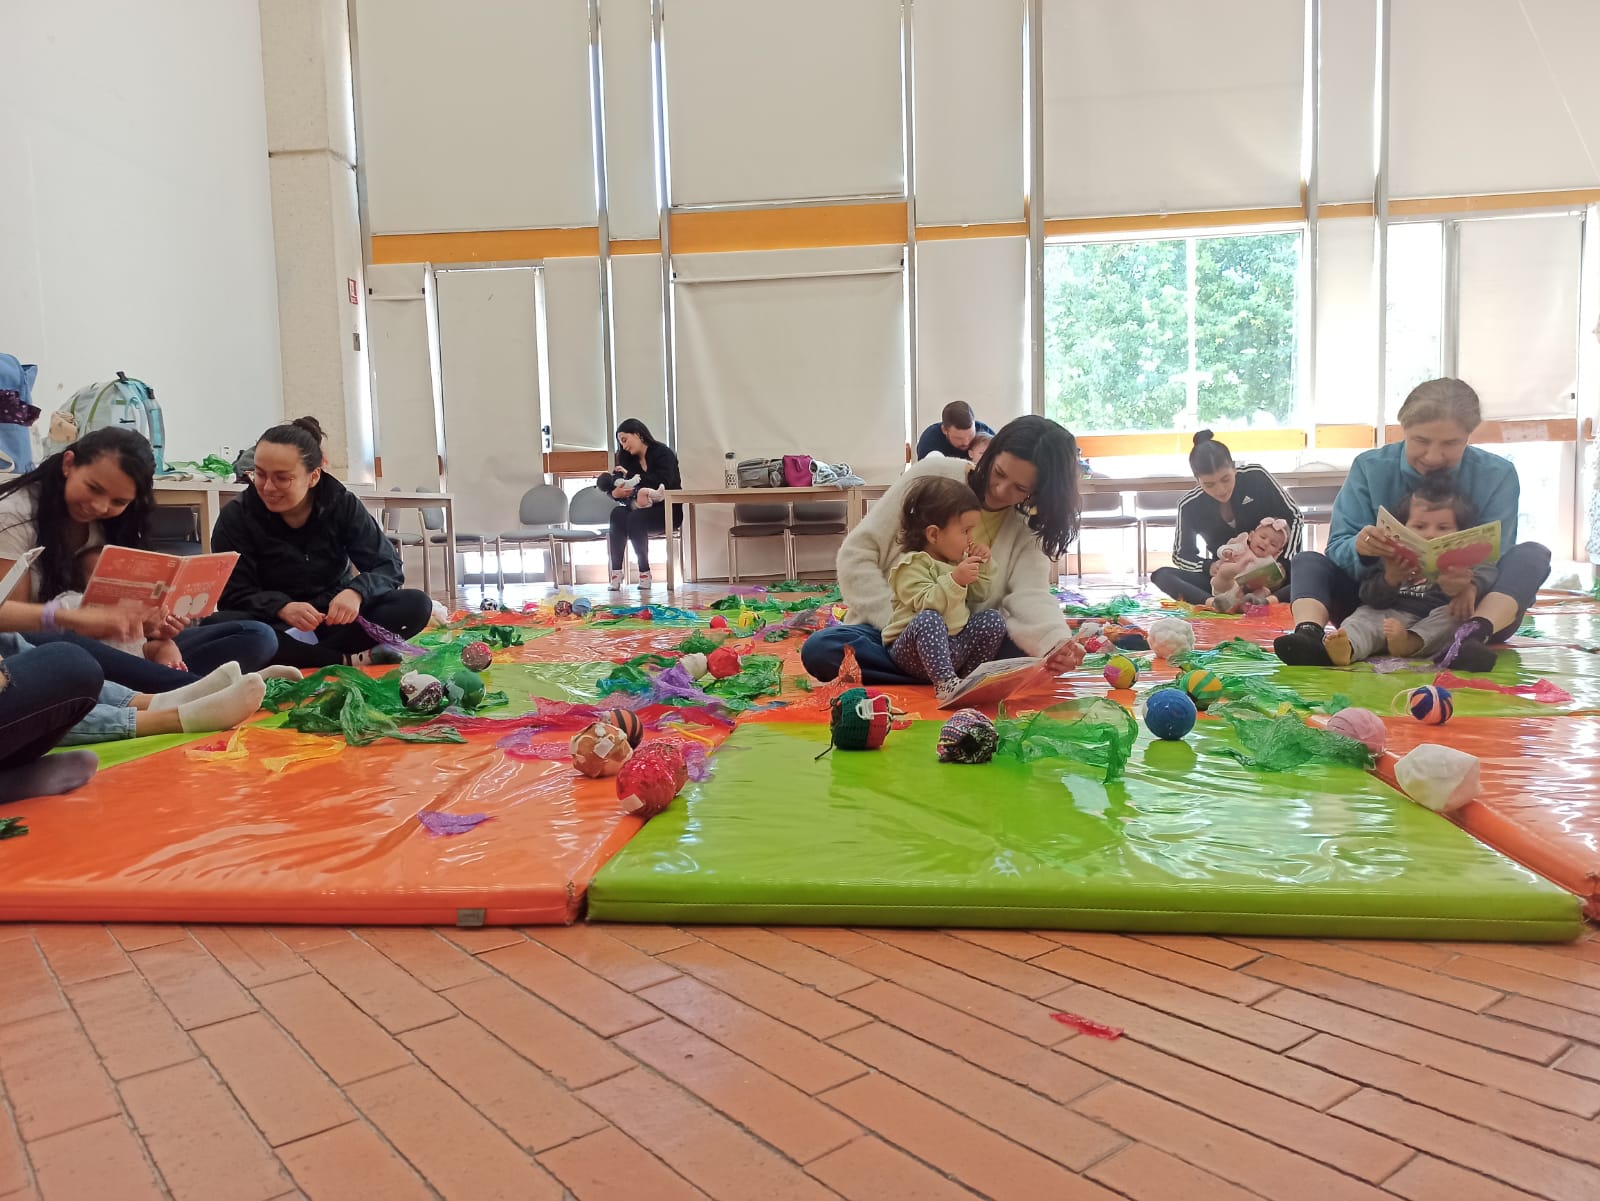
(635, 246)
(983, 229)
(487, 246)
(1429, 206)
(1177, 442)
(1153, 222)
(1342, 437)
(882, 224)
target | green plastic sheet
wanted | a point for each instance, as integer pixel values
(1189, 841)
(1120, 606)
(1094, 731)
(1282, 744)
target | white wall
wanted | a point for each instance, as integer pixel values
(135, 221)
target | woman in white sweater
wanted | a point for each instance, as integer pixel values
(1027, 485)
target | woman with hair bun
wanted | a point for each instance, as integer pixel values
(311, 557)
(1231, 499)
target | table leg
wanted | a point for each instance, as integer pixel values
(450, 554)
(210, 507)
(693, 534)
(672, 574)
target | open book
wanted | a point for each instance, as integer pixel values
(990, 683)
(1464, 548)
(185, 585)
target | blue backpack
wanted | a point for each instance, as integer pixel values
(130, 403)
(16, 416)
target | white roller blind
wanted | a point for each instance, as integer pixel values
(1519, 314)
(969, 102)
(1168, 105)
(489, 353)
(397, 333)
(476, 116)
(1349, 41)
(1493, 96)
(572, 323)
(1347, 324)
(972, 327)
(640, 355)
(630, 116)
(810, 365)
(770, 100)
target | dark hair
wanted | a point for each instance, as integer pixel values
(1208, 455)
(1052, 510)
(957, 415)
(638, 428)
(937, 500)
(1437, 491)
(58, 566)
(304, 434)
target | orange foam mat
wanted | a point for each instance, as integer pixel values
(1540, 803)
(307, 830)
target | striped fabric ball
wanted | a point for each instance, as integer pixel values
(1431, 705)
(628, 722)
(1203, 687)
(968, 737)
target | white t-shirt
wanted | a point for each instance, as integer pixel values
(19, 529)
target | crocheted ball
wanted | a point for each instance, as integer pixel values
(968, 737)
(694, 664)
(1120, 671)
(476, 656)
(1203, 687)
(628, 722)
(422, 693)
(1430, 704)
(648, 781)
(722, 663)
(600, 749)
(1170, 637)
(1169, 714)
(470, 687)
(1363, 725)
(859, 721)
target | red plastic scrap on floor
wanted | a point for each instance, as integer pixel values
(1088, 1026)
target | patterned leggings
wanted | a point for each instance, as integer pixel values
(926, 648)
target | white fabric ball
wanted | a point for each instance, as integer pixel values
(1170, 637)
(695, 665)
(1437, 777)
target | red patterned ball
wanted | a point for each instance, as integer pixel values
(648, 781)
(476, 656)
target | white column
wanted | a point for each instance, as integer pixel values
(311, 149)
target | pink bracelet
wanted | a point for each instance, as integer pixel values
(47, 615)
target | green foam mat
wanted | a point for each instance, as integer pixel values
(1188, 842)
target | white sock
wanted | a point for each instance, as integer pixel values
(223, 710)
(281, 671)
(224, 677)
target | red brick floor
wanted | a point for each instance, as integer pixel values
(651, 1063)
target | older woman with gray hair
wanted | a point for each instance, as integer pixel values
(1437, 420)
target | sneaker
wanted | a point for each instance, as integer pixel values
(616, 581)
(944, 691)
(644, 581)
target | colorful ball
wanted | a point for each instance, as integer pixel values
(1120, 671)
(1363, 725)
(422, 693)
(600, 749)
(649, 780)
(470, 688)
(719, 622)
(476, 656)
(1203, 687)
(563, 607)
(1170, 637)
(968, 737)
(582, 606)
(1169, 714)
(1430, 704)
(628, 722)
(723, 663)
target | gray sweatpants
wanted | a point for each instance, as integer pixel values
(1364, 628)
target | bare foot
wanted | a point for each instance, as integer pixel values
(1339, 648)
(1403, 644)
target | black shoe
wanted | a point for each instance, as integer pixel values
(1304, 647)
(1474, 652)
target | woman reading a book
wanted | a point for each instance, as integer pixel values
(1026, 486)
(1437, 419)
(1231, 500)
(312, 559)
(99, 492)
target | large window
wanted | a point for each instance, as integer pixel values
(1172, 333)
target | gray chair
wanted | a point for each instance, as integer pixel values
(401, 540)
(759, 521)
(1155, 511)
(542, 510)
(815, 519)
(174, 530)
(433, 530)
(588, 519)
(1102, 511)
(1316, 507)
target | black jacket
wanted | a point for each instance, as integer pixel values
(1255, 495)
(278, 564)
(660, 470)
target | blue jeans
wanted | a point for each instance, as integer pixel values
(111, 719)
(205, 647)
(823, 652)
(48, 690)
(1523, 570)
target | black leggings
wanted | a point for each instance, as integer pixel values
(1523, 570)
(636, 526)
(405, 611)
(1194, 587)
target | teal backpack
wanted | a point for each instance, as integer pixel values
(129, 403)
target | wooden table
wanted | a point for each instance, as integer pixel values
(209, 496)
(855, 503)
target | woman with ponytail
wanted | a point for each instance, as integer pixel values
(312, 559)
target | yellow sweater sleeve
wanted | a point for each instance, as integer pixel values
(919, 581)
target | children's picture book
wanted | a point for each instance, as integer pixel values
(187, 586)
(18, 570)
(1464, 548)
(990, 683)
(1264, 577)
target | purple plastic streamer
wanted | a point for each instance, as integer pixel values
(446, 824)
(389, 639)
(520, 745)
(1454, 649)
(675, 684)
(1386, 665)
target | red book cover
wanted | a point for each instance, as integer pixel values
(186, 586)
